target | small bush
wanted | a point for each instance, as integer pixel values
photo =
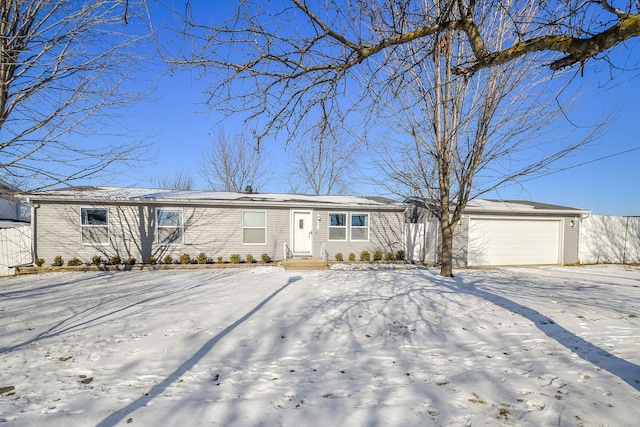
(377, 256)
(168, 259)
(400, 255)
(58, 261)
(130, 261)
(220, 260)
(265, 258)
(389, 256)
(352, 256)
(249, 259)
(115, 260)
(38, 262)
(235, 258)
(365, 256)
(185, 259)
(339, 257)
(202, 258)
(74, 262)
(96, 260)
(151, 260)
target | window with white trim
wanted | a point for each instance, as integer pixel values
(360, 226)
(254, 227)
(94, 225)
(170, 228)
(337, 226)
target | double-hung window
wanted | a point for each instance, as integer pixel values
(359, 226)
(254, 227)
(94, 223)
(170, 226)
(337, 226)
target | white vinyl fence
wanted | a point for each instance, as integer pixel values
(610, 239)
(15, 248)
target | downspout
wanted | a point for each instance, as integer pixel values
(34, 223)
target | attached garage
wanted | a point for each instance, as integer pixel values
(514, 241)
(503, 232)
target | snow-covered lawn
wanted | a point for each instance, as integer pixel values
(264, 346)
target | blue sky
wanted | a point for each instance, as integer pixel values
(180, 127)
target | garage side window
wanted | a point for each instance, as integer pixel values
(94, 224)
(337, 226)
(359, 226)
(254, 227)
(170, 226)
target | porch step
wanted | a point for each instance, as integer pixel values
(306, 264)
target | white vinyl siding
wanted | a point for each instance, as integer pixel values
(94, 225)
(254, 227)
(170, 229)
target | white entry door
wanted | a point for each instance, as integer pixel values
(302, 233)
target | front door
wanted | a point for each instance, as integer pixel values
(302, 233)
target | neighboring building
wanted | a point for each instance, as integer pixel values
(494, 232)
(9, 203)
(141, 223)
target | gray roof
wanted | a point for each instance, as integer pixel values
(163, 196)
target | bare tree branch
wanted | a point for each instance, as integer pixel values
(63, 68)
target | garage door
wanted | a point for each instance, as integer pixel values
(514, 241)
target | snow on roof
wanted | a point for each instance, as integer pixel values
(515, 206)
(216, 197)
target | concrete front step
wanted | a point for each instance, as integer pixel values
(306, 264)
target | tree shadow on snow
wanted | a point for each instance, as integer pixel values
(159, 388)
(625, 370)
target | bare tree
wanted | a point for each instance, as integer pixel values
(324, 159)
(294, 57)
(63, 65)
(232, 163)
(457, 137)
(183, 180)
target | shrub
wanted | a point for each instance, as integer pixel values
(400, 255)
(74, 262)
(96, 260)
(389, 256)
(220, 260)
(377, 256)
(202, 258)
(151, 260)
(38, 262)
(115, 260)
(265, 258)
(352, 256)
(365, 256)
(249, 259)
(185, 259)
(339, 257)
(235, 258)
(130, 261)
(57, 261)
(167, 259)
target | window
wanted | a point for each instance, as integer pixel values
(170, 226)
(337, 226)
(94, 224)
(359, 226)
(254, 227)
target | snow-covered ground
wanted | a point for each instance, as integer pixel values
(264, 346)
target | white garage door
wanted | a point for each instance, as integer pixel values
(514, 241)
